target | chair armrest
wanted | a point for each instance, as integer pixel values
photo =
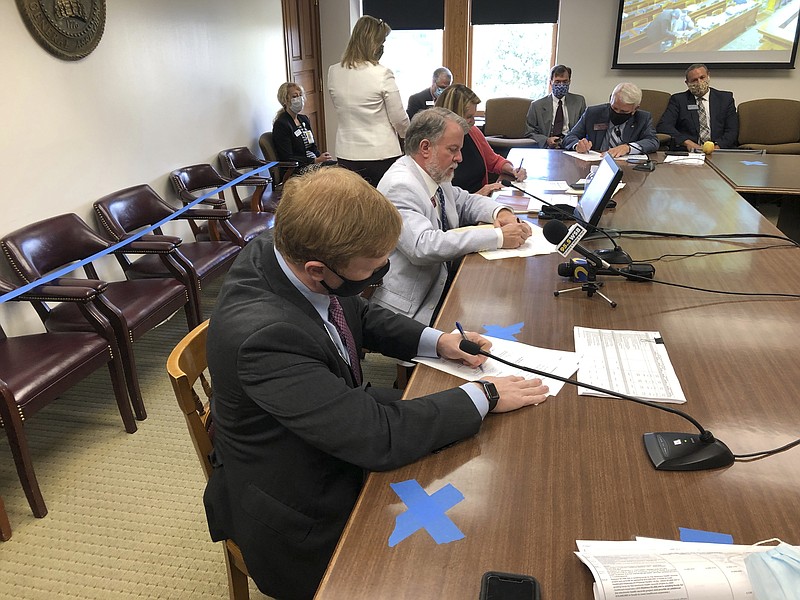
(206, 214)
(186, 197)
(157, 238)
(60, 293)
(98, 285)
(149, 247)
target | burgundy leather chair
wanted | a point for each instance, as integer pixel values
(36, 369)
(192, 182)
(122, 213)
(284, 169)
(133, 307)
(235, 162)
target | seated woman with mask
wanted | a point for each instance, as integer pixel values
(291, 132)
(478, 158)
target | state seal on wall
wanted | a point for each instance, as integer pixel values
(68, 29)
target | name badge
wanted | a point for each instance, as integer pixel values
(600, 126)
(430, 103)
(692, 106)
(298, 132)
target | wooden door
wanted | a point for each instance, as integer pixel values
(303, 57)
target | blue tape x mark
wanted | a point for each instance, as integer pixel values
(754, 163)
(504, 333)
(426, 512)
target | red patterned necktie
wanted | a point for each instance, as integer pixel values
(336, 316)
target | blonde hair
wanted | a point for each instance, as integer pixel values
(366, 39)
(457, 97)
(333, 215)
(284, 91)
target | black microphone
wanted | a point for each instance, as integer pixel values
(577, 269)
(668, 451)
(617, 255)
(555, 232)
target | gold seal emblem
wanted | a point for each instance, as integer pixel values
(68, 29)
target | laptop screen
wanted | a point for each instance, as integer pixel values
(598, 191)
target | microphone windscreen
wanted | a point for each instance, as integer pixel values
(566, 269)
(469, 347)
(708, 147)
(506, 182)
(554, 231)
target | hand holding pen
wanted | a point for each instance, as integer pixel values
(479, 339)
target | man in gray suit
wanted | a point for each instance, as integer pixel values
(296, 428)
(435, 213)
(550, 118)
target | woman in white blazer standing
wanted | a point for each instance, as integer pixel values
(368, 105)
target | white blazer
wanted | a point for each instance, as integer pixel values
(369, 110)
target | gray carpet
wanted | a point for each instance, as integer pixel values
(125, 511)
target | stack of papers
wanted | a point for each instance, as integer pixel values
(652, 569)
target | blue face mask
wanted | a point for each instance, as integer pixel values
(775, 574)
(560, 89)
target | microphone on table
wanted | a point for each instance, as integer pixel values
(668, 451)
(578, 269)
(616, 255)
(559, 235)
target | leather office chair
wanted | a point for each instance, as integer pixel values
(771, 124)
(506, 124)
(35, 369)
(235, 162)
(122, 213)
(186, 365)
(192, 182)
(133, 307)
(284, 169)
(5, 526)
(655, 102)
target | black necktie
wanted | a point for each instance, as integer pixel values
(558, 122)
(442, 212)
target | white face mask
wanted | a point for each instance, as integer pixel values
(296, 104)
(774, 574)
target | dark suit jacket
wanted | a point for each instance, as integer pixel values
(419, 101)
(684, 124)
(288, 145)
(539, 119)
(294, 436)
(593, 126)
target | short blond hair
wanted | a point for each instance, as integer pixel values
(333, 215)
(367, 37)
(284, 91)
(458, 98)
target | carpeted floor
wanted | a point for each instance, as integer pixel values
(125, 515)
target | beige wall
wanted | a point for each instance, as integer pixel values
(171, 83)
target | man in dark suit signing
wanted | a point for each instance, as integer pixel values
(296, 428)
(617, 127)
(550, 118)
(700, 114)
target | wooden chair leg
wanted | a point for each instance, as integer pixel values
(238, 586)
(5, 526)
(18, 442)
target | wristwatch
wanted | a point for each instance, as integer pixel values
(491, 393)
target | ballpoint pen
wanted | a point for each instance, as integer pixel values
(464, 336)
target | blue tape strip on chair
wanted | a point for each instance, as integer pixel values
(426, 512)
(66, 270)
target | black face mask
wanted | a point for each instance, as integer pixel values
(353, 288)
(619, 118)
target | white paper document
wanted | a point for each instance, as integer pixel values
(558, 362)
(590, 156)
(630, 362)
(667, 570)
(692, 159)
(535, 244)
(535, 205)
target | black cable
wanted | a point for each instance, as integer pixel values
(768, 452)
(713, 253)
(712, 236)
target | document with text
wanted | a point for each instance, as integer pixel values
(630, 362)
(558, 362)
(648, 569)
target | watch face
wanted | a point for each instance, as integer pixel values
(490, 390)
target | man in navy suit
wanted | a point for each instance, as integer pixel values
(617, 127)
(543, 122)
(682, 118)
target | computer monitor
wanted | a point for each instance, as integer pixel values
(598, 191)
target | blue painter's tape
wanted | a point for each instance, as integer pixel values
(426, 512)
(709, 537)
(753, 163)
(504, 333)
(67, 270)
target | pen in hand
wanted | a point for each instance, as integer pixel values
(464, 336)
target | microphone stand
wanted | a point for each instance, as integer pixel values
(615, 256)
(668, 451)
(591, 286)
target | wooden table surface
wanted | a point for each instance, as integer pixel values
(537, 479)
(763, 174)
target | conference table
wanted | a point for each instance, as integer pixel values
(536, 480)
(765, 174)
